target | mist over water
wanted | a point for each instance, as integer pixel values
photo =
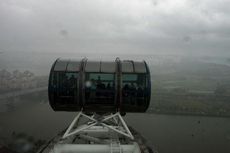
(33, 117)
(40, 63)
(194, 78)
(166, 133)
(185, 43)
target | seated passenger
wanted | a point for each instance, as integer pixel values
(72, 80)
(126, 87)
(133, 89)
(113, 85)
(98, 80)
(100, 88)
(93, 84)
(140, 92)
(126, 90)
(108, 86)
(72, 84)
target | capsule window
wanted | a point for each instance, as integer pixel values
(64, 85)
(99, 88)
(133, 88)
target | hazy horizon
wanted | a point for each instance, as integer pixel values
(108, 27)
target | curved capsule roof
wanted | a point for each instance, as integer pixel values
(127, 66)
(67, 65)
(99, 86)
(100, 66)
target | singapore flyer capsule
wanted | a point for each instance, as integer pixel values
(99, 86)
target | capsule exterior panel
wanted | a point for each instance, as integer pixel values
(99, 86)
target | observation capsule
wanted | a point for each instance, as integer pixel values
(99, 86)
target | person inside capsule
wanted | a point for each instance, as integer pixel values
(99, 87)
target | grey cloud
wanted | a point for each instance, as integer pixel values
(130, 26)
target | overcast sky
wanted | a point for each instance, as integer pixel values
(108, 26)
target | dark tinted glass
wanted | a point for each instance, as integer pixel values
(133, 89)
(99, 88)
(109, 67)
(92, 66)
(127, 67)
(61, 65)
(140, 67)
(64, 86)
(73, 66)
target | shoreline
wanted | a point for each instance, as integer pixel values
(189, 114)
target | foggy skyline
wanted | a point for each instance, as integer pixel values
(100, 26)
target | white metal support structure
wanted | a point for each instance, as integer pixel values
(118, 127)
(96, 134)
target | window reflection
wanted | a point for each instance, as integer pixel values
(100, 88)
(133, 89)
(65, 86)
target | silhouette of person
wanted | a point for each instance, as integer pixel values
(99, 80)
(108, 86)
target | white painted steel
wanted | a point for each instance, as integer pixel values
(121, 129)
(97, 148)
(102, 136)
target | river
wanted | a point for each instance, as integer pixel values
(167, 133)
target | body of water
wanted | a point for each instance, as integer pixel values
(167, 133)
